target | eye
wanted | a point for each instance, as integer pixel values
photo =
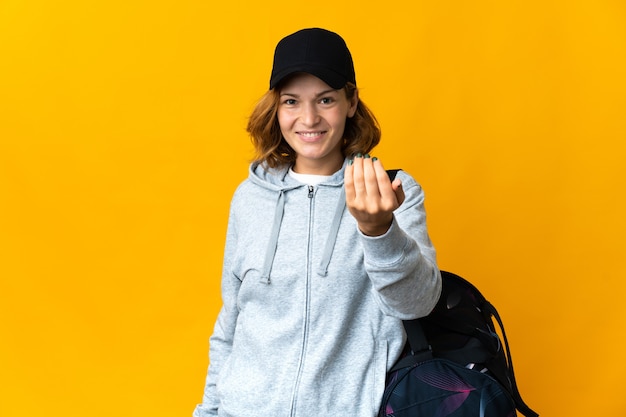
(289, 102)
(326, 100)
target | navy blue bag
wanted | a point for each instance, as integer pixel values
(455, 364)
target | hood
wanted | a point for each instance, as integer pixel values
(278, 179)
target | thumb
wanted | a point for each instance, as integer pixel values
(396, 185)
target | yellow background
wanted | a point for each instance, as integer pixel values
(122, 138)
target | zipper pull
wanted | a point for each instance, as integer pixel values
(310, 191)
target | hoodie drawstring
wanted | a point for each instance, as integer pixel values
(332, 234)
(330, 240)
(273, 242)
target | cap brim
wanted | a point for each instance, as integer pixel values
(331, 78)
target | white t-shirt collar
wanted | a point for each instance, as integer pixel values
(309, 179)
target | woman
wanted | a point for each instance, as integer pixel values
(314, 294)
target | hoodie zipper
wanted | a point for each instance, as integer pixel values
(307, 303)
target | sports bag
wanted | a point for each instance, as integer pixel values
(454, 364)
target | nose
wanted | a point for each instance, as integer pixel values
(310, 115)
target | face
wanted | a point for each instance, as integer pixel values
(312, 117)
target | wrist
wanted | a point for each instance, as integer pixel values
(375, 229)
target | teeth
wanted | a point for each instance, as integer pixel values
(310, 134)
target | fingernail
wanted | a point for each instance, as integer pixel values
(374, 159)
(367, 155)
(359, 155)
(350, 161)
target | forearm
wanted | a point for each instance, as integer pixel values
(406, 281)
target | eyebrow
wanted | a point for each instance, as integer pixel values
(331, 90)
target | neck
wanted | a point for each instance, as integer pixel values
(317, 167)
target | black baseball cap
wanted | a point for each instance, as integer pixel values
(315, 51)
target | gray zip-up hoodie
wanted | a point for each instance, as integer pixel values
(312, 308)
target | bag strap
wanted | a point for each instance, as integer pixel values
(517, 397)
(392, 173)
(416, 336)
(420, 349)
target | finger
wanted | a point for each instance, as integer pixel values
(370, 178)
(381, 175)
(357, 175)
(384, 184)
(348, 180)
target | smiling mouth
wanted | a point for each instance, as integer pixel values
(311, 135)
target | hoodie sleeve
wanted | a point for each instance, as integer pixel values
(402, 263)
(222, 338)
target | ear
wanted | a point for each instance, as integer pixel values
(353, 104)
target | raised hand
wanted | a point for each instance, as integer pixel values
(371, 197)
